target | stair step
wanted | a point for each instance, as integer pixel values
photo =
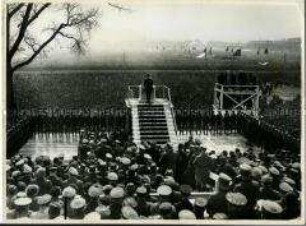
(146, 123)
(154, 136)
(150, 108)
(153, 128)
(151, 116)
(152, 120)
(157, 141)
(154, 132)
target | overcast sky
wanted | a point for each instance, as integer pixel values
(229, 21)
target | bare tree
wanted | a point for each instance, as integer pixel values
(76, 25)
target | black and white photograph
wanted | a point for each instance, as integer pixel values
(187, 111)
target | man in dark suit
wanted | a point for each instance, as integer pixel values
(148, 87)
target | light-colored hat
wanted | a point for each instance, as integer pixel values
(129, 213)
(78, 203)
(112, 176)
(73, 171)
(92, 216)
(69, 192)
(125, 161)
(130, 201)
(164, 190)
(200, 202)
(274, 171)
(236, 198)
(271, 207)
(220, 216)
(285, 187)
(95, 190)
(117, 193)
(23, 201)
(186, 214)
(44, 199)
(104, 211)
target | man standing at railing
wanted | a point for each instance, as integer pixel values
(148, 87)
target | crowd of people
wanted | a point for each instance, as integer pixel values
(111, 178)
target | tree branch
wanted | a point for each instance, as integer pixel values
(22, 31)
(15, 10)
(31, 58)
(34, 17)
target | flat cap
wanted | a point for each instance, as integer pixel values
(69, 192)
(112, 176)
(220, 216)
(95, 190)
(236, 198)
(130, 201)
(164, 190)
(272, 207)
(117, 193)
(73, 171)
(142, 190)
(200, 202)
(104, 211)
(125, 161)
(23, 201)
(186, 214)
(274, 171)
(78, 203)
(44, 199)
(129, 213)
(285, 187)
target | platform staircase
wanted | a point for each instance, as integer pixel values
(154, 122)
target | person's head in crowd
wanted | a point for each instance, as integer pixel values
(236, 205)
(54, 210)
(77, 206)
(224, 182)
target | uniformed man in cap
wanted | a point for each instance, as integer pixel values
(21, 208)
(200, 207)
(269, 209)
(77, 206)
(129, 213)
(236, 206)
(148, 88)
(167, 210)
(217, 203)
(186, 214)
(117, 195)
(73, 179)
(248, 187)
(185, 203)
(44, 184)
(202, 164)
(143, 202)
